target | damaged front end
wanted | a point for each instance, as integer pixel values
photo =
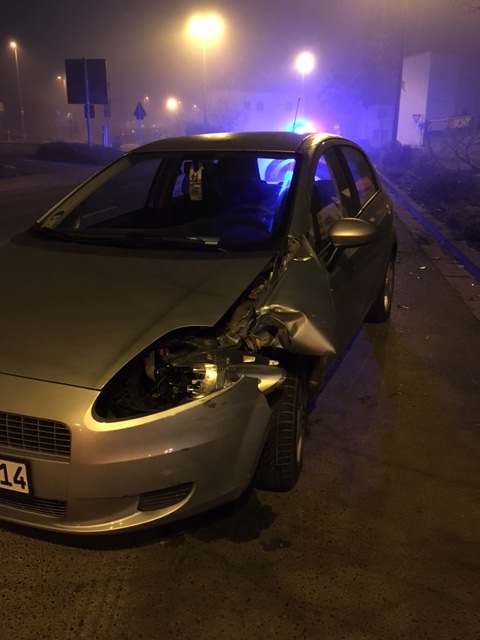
(287, 309)
(180, 371)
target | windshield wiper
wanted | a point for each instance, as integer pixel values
(53, 234)
(184, 242)
(127, 238)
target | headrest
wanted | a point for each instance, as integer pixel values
(238, 169)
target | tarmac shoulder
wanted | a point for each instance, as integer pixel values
(64, 175)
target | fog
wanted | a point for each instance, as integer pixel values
(357, 46)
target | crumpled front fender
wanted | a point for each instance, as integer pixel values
(300, 306)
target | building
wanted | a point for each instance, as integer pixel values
(441, 91)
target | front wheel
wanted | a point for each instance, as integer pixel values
(282, 456)
(382, 305)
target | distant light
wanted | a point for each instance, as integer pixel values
(305, 62)
(303, 126)
(205, 27)
(172, 104)
(13, 44)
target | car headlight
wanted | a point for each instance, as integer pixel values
(169, 376)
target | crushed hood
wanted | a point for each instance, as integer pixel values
(76, 314)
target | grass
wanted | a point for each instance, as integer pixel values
(77, 153)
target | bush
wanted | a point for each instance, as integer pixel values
(77, 153)
(451, 197)
(396, 158)
(447, 186)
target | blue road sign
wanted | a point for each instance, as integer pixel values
(139, 112)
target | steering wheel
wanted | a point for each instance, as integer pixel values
(253, 215)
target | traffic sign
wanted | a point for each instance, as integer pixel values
(86, 81)
(139, 112)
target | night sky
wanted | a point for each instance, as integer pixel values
(147, 52)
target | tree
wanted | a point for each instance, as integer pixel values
(471, 5)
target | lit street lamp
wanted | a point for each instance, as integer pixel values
(58, 112)
(205, 29)
(14, 47)
(173, 106)
(64, 82)
(304, 63)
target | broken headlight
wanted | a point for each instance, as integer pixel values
(170, 376)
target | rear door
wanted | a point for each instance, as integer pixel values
(370, 203)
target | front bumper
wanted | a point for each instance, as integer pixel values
(130, 474)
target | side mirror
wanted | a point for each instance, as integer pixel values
(351, 232)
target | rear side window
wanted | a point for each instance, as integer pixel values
(362, 174)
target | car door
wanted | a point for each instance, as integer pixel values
(369, 202)
(356, 273)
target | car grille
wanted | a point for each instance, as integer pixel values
(34, 434)
(53, 508)
(164, 498)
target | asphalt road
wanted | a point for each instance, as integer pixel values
(379, 540)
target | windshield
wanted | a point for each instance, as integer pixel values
(227, 201)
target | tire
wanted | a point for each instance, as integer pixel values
(382, 305)
(282, 456)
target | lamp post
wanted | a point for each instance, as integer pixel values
(205, 29)
(58, 112)
(64, 83)
(173, 105)
(304, 63)
(14, 47)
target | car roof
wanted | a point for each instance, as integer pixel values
(274, 141)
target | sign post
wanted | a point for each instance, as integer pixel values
(139, 114)
(87, 85)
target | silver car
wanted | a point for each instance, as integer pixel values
(163, 325)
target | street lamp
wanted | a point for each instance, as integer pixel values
(58, 112)
(173, 106)
(304, 63)
(205, 29)
(63, 80)
(14, 47)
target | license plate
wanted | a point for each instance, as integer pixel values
(14, 476)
